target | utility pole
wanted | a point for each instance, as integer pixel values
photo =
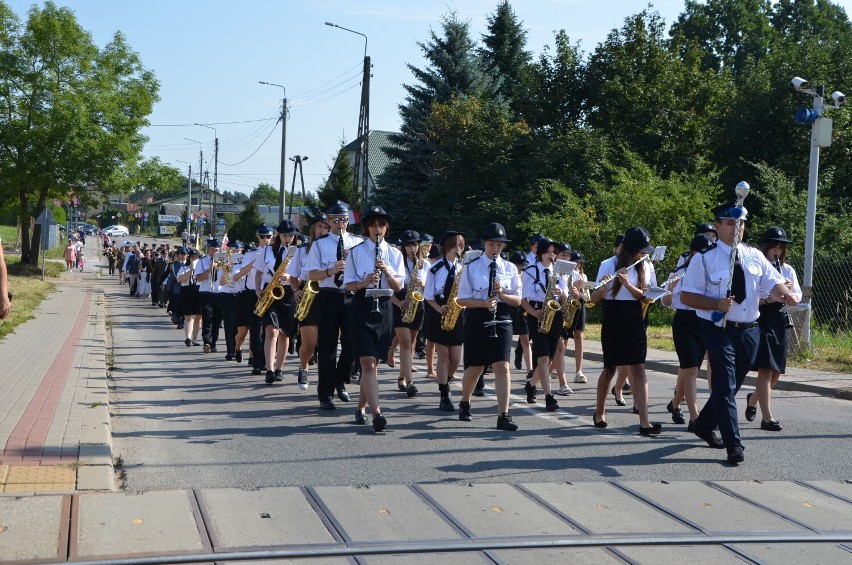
(215, 173)
(298, 159)
(282, 186)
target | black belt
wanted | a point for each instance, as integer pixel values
(535, 304)
(741, 325)
(334, 290)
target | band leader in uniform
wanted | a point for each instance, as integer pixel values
(489, 287)
(372, 264)
(733, 348)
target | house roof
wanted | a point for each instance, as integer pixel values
(377, 159)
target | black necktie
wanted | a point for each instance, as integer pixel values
(451, 278)
(738, 287)
(546, 282)
(338, 277)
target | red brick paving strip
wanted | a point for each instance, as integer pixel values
(26, 442)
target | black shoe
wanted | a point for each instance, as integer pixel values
(327, 405)
(750, 411)
(213, 349)
(179, 327)
(420, 354)
(770, 426)
(619, 401)
(598, 423)
(270, 377)
(313, 359)
(518, 359)
(677, 416)
(277, 375)
(411, 391)
(635, 410)
(229, 357)
(342, 394)
(464, 411)
(400, 384)
(379, 422)
(188, 342)
(480, 387)
(710, 438)
(626, 389)
(446, 405)
(504, 422)
(736, 456)
(256, 371)
(360, 417)
(531, 392)
(653, 430)
(238, 356)
(550, 403)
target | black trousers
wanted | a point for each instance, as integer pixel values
(333, 320)
(175, 308)
(111, 263)
(228, 304)
(211, 317)
(256, 339)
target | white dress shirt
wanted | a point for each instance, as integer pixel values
(323, 255)
(362, 260)
(207, 285)
(608, 268)
(477, 274)
(436, 278)
(534, 290)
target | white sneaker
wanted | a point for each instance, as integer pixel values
(565, 390)
(580, 378)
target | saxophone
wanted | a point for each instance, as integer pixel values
(551, 306)
(414, 295)
(449, 320)
(309, 292)
(569, 311)
(274, 290)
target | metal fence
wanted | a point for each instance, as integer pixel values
(831, 300)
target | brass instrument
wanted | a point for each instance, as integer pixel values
(274, 290)
(550, 305)
(569, 311)
(451, 318)
(309, 292)
(414, 294)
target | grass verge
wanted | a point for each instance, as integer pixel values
(28, 289)
(831, 352)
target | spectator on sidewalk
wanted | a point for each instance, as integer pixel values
(70, 255)
(184, 237)
(81, 260)
(5, 295)
(120, 258)
(110, 253)
(131, 267)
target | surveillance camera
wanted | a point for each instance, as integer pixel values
(838, 97)
(799, 83)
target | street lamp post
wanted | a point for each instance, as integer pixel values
(297, 160)
(820, 137)
(188, 195)
(215, 172)
(282, 189)
(361, 172)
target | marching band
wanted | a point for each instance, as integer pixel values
(349, 301)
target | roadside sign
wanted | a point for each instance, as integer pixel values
(45, 217)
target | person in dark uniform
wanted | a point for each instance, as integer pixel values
(732, 348)
(207, 273)
(246, 300)
(490, 286)
(189, 306)
(523, 352)
(278, 318)
(372, 264)
(326, 263)
(439, 283)
(174, 287)
(687, 336)
(257, 357)
(623, 333)
(536, 280)
(771, 360)
(406, 332)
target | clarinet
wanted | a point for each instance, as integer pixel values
(492, 293)
(788, 322)
(378, 271)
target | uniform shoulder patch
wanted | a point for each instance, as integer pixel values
(436, 267)
(319, 237)
(709, 247)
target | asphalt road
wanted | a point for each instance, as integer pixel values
(183, 419)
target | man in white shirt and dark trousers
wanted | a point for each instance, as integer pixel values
(208, 297)
(326, 262)
(732, 349)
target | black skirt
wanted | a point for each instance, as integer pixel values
(772, 348)
(246, 301)
(480, 349)
(519, 321)
(280, 312)
(418, 316)
(544, 345)
(688, 339)
(433, 332)
(370, 332)
(189, 305)
(623, 336)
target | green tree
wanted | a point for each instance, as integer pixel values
(337, 185)
(70, 113)
(264, 195)
(243, 226)
(555, 88)
(159, 180)
(505, 56)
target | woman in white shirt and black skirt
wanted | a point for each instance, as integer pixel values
(489, 287)
(623, 336)
(374, 266)
(406, 332)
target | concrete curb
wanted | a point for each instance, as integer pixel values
(95, 458)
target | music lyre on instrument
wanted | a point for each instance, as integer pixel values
(378, 291)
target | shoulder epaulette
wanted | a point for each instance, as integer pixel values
(709, 247)
(684, 255)
(360, 243)
(436, 267)
(319, 237)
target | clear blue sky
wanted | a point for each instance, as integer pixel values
(210, 54)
